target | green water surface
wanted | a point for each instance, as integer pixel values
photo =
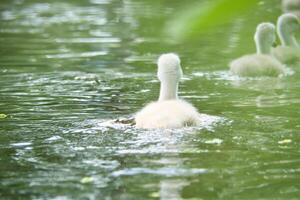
(66, 67)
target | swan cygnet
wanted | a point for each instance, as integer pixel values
(291, 6)
(262, 63)
(168, 111)
(289, 51)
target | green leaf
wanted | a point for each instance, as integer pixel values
(202, 17)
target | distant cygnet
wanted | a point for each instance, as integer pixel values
(289, 51)
(262, 63)
(291, 6)
(168, 111)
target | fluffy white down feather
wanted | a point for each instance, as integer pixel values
(168, 111)
(262, 63)
(286, 55)
(167, 114)
(257, 65)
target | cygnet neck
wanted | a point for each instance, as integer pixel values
(262, 48)
(168, 90)
(286, 38)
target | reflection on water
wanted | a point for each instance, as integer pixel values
(68, 70)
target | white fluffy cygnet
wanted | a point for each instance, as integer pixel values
(168, 111)
(289, 51)
(291, 6)
(262, 63)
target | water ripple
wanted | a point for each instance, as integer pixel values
(168, 172)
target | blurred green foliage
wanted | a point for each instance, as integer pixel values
(2, 116)
(201, 17)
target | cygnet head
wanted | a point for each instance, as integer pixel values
(169, 68)
(288, 22)
(287, 25)
(265, 37)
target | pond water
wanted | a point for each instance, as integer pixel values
(67, 68)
